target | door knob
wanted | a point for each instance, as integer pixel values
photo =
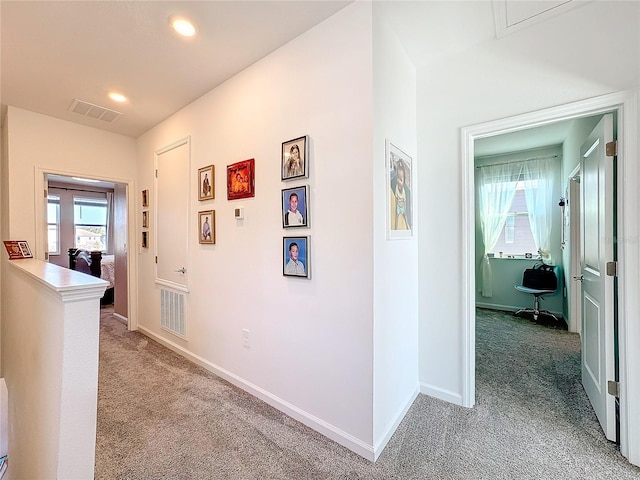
(579, 278)
(182, 270)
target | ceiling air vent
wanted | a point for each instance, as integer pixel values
(94, 111)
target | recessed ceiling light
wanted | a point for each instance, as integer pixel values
(117, 97)
(183, 26)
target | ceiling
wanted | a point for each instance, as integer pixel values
(53, 52)
(56, 51)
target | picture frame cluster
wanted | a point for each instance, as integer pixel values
(295, 207)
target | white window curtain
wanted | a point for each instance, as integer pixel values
(538, 188)
(497, 187)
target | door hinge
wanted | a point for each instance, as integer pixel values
(45, 193)
(613, 388)
(46, 256)
(156, 259)
(612, 269)
(612, 149)
(156, 173)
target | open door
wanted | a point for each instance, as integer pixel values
(597, 248)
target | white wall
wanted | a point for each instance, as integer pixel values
(548, 64)
(395, 261)
(311, 341)
(37, 141)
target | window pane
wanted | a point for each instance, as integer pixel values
(90, 220)
(54, 239)
(516, 237)
(90, 237)
(53, 219)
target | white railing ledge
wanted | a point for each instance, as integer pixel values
(68, 284)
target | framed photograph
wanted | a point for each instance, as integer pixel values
(145, 198)
(17, 249)
(241, 180)
(295, 158)
(295, 207)
(295, 257)
(207, 227)
(145, 219)
(145, 239)
(399, 167)
(206, 182)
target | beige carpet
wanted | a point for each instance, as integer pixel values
(162, 417)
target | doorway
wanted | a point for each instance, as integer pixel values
(625, 106)
(97, 212)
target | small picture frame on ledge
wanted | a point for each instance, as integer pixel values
(145, 219)
(145, 198)
(145, 239)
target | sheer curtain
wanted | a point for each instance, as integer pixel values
(538, 189)
(497, 187)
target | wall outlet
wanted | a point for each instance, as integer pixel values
(245, 338)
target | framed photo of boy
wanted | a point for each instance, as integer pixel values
(241, 180)
(207, 227)
(295, 207)
(206, 183)
(295, 158)
(295, 257)
(400, 184)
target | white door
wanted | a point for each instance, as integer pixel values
(596, 186)
(172, 214)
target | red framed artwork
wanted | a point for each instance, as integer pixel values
(241, 180)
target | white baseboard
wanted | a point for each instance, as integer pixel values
(122, 318)
(509, 308)
(393, 425)
(330, 431)
(441, 394)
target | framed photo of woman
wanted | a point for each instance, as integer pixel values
(295, 207)
(207, 227)
(295, 158)
(206, 183)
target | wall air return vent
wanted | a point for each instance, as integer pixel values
(94, 111)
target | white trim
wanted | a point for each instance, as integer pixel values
(326, 429)
(122, 318)
(380, 445)
(442, 394)
(40, 227)
(626, 105)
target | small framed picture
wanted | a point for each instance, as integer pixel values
(295, 207)
(295, 158)
(145, 219)
(207, 226)
(206, 182)
(400, 185)
(145, 198)
(295, 257)
(18, 249)
(241, 180)
(145, 239)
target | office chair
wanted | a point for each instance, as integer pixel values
(538, 281)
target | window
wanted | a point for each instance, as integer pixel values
(90, 222)
(53, 222)
(516, 237)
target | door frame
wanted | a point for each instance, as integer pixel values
(575, 208)
(625, 106)
(132, 240)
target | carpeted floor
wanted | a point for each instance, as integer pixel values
(162, 417)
